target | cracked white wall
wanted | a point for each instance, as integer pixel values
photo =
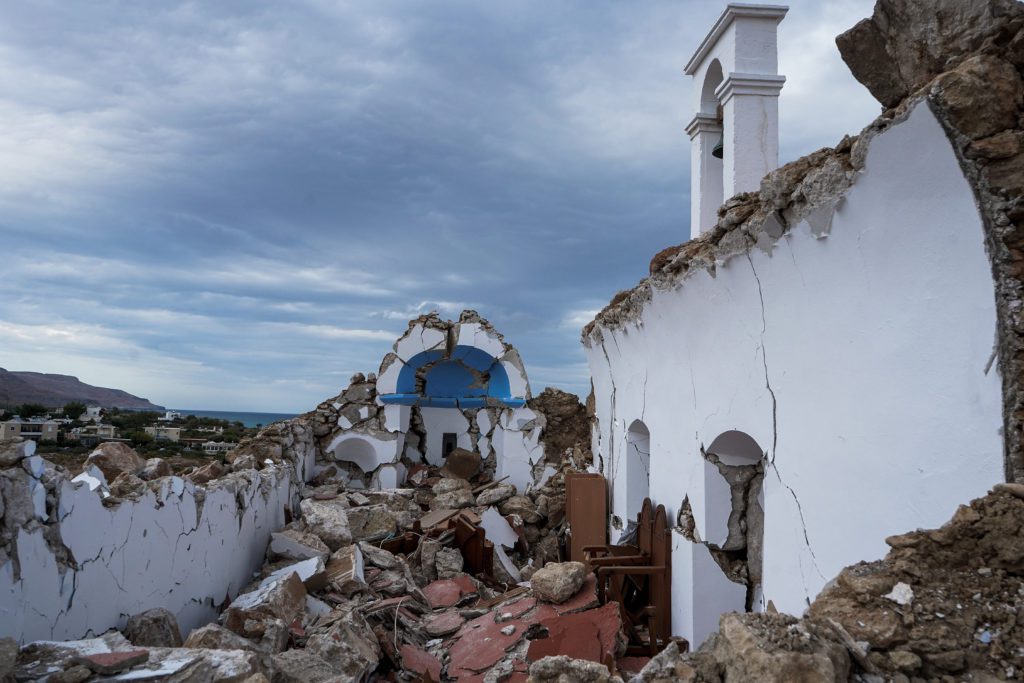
(162, 550)
(858, 361)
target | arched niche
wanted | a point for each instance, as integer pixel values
(713, 78)
(638, 467)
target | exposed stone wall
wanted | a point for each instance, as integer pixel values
(966, 58)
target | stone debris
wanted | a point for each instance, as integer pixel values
(557, 582)
(942, 605)
(156, 627)
(292, 544)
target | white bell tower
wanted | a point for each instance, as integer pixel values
(736, 70)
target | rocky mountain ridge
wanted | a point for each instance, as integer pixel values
(51, 390)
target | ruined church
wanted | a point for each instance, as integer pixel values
(785, 413)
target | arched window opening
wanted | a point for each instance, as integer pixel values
(638, 467)
(734, 511)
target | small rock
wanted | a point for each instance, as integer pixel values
(522, 506)
(448, 563)
(453, 500)
(558, 581)
(901, 594)
(154, 469)
(349, 647)
(449, 485)
(378, 557)
(155, 627)
(292, 544)
(562, 668)
(127, 485)
(496, 494)
(208, 472)
(371, 522)
(284, 599)
(301, 666)
(461, 464)
(216, 637)
(509, 630)
(73, 674)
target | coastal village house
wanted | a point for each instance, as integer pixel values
(37, 429)
(815, 370)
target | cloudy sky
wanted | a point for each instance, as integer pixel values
(237, 205)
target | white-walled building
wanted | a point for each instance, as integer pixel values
(814, 371)
(446, 385)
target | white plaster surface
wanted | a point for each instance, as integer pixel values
(160, 550)
(882, 414)
(438, 421)
(367, 451)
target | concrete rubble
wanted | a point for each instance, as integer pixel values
(366, 583)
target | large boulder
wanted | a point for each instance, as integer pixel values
(155, 627)
(907, 43)
(113, 458)
(558, 581)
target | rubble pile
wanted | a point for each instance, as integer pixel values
(424, 582)
(944, 604)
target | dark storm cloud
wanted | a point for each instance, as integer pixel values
(235, 205)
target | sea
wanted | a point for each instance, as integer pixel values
(248, 419)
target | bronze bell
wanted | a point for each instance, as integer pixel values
(719, 149)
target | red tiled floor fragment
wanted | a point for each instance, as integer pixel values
(585, 599)
(443, 593)
(465, 584)
(114, 662)
(631, 665)
(480, 644)
(590, 635)
(517, 608)
(442, 624)
(420, 661)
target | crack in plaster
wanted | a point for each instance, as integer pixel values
(764, 360)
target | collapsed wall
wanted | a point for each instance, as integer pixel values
(79, 556)
(446, 385)
(823, 318)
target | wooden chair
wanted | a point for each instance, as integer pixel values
(642, 584)
(618, 555)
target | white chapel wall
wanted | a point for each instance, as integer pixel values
(859, 361)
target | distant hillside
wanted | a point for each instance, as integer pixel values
(54, 391)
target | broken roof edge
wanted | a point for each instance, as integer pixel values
(749, 220)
